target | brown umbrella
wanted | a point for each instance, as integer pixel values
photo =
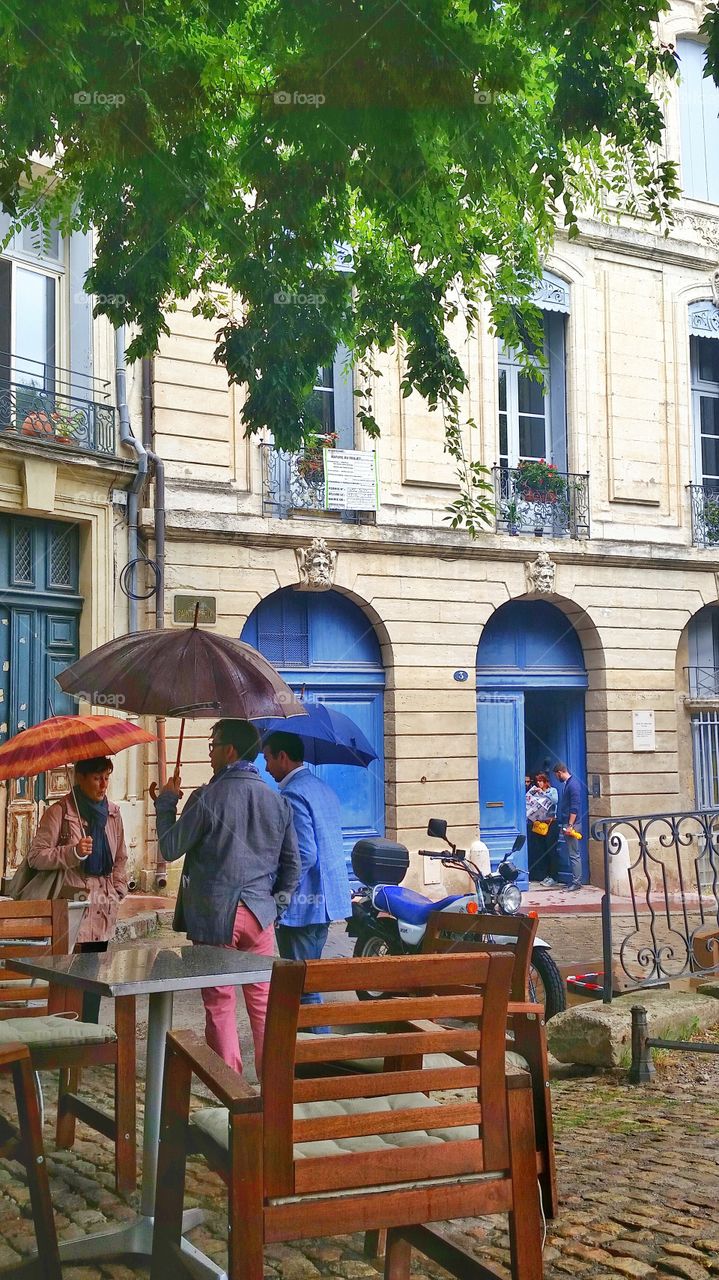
(190, 673)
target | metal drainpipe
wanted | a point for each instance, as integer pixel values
(158, 467)
(128, 438)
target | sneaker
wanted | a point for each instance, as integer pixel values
(548, 883)
(572, 888)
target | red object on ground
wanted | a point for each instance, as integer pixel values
(585, 983)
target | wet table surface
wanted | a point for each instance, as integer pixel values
(144, 970)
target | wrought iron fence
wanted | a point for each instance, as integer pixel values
(560, 512)
(294, 481)
(55, 406)
(660, 909)
(704, 500)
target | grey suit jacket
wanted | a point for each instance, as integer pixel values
(239, 845)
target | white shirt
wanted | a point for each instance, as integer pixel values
(289, 775)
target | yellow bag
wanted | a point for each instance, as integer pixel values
(540, 828)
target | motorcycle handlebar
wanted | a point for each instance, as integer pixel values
(447, 856)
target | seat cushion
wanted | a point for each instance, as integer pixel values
(213, 1123)
(49, 1032)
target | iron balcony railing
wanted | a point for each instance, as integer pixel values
(294, 482)
(704, 499)
(55, 406)
(559, 511)
(702, 682)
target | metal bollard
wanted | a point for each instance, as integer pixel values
(642, 1068)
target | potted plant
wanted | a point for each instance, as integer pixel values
(537, 480)
(310, 463)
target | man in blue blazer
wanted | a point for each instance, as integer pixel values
(323, 893)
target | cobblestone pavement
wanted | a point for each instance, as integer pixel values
(638, 1175)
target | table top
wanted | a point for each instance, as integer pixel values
(136, 971)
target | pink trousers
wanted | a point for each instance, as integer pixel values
(220, 1002)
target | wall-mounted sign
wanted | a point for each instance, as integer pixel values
(351, 480)
(461, 676)
(183, 609)
(644, 737)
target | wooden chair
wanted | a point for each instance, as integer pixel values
(353, 1152)
(25, 1144)
(28, 1010)
(455, 932)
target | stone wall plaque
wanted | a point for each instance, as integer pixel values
(644, 736)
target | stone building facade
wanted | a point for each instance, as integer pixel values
(583, 624)
(614, 581)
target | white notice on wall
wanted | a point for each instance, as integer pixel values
(643, 731)
(351, 481)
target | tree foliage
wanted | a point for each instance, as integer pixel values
(248, 145)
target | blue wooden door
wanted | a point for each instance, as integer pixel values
(500, 739)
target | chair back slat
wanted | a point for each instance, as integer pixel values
(456, 932)
(391, 1165)
(31, 929)
(378, 1084)
(400, 1029)
(333, 975)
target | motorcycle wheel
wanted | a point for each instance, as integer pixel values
(545, 983)
(367, 947)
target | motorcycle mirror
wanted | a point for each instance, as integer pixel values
(437, 827)
(521, 840)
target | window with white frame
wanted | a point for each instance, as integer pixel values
(32, 268)
(705, 407)
(333, 400)
(532, 413)
(699, 123)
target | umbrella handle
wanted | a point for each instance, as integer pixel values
(179, 746)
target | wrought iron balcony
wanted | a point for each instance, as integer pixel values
(560, 510)
(703, 682)
(55, 406)
(295, 482)
(704, 500)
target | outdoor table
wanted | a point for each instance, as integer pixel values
(156, 972)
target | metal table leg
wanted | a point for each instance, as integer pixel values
(135, 1238)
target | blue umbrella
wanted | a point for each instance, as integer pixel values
(328, 736)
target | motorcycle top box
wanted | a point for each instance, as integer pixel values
(376, 861)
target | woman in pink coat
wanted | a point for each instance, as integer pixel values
(83, 833)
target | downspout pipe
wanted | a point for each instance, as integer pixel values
(158, 468)
(130, 441)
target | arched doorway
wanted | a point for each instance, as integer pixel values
(531, 680)
(326, 649)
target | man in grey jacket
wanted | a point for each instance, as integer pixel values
(241, 868)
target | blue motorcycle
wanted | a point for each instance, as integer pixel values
(390, 920)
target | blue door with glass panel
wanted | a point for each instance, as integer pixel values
(531, 682)
(327, 651)
(40, 608)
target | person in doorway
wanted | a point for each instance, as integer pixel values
(547, 844)
(569, 809)
(241, 868)
(83, 834)
(323, 893)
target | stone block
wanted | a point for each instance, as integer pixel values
(599, 1035)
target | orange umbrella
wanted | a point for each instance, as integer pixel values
(62, 740)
